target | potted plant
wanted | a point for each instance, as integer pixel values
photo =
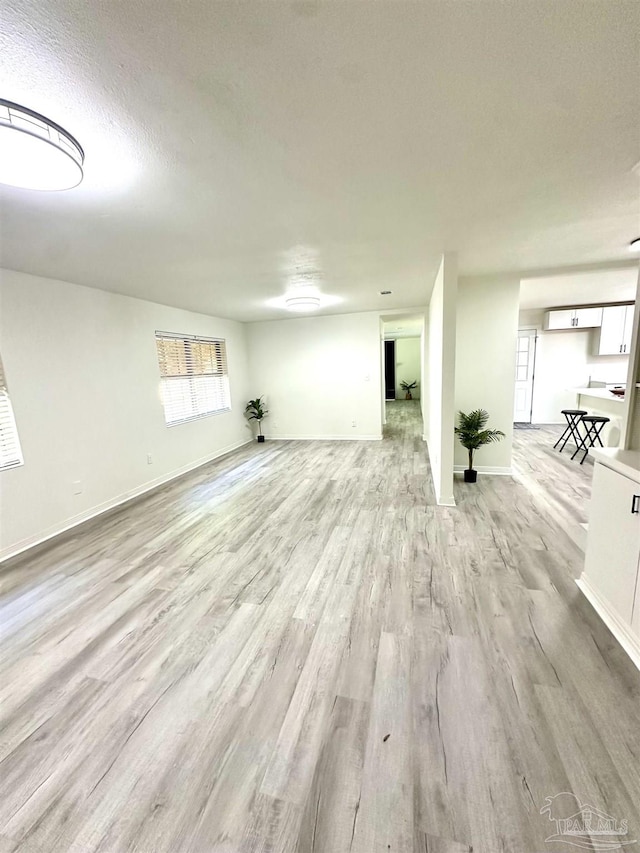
(473, 435)
(255, 411)
(407, 388)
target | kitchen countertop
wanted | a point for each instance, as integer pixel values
(625, 462)
(601, 393)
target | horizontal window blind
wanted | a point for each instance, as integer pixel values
(194, 376)
(10, 452)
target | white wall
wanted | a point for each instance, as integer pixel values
(487, 328)
(408, 365)
(83, 377)
(319, 375)
(565, 360)
(439, 373)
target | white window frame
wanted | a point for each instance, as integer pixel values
(10, 449)
(192, 377)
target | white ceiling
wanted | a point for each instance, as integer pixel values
(585, 288)
(232, 145)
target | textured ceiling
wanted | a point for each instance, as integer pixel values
(234, 146)
(585, 288)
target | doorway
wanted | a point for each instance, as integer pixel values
(390, 370)
(525, 375)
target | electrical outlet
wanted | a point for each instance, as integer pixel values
(77, 487)
(354, 424)
(149, 459)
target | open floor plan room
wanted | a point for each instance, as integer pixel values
(319, 426)
(294, 649)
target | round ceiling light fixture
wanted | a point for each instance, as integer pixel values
(634, 245)
(35, 152)
(302, 302)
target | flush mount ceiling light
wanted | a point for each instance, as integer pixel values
(303, 299)
(35, 152)
(302, 303)
(634, 245)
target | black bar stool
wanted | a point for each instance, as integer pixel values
(594, 424)
(573, 417)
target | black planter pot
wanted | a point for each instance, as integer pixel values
(261, 439)
(470, 475)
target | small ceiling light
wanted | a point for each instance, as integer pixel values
(634, 245)
(307, 302)
(35, 152)
(385, 293)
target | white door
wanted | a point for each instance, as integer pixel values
(612, 330)
(628, 328)
(525, 366)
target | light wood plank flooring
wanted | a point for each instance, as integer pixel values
(561, 485)
(293, 650)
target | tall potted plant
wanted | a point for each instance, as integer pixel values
(473, 435)
(255, 411)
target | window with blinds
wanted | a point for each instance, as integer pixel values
(10, 452)
(194, 376)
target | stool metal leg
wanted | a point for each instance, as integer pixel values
(582, 445)
(588, 442)
(575, 428)
(570, 431)
(591, 436)
(565, 435)
(594, 435)
(597, 435)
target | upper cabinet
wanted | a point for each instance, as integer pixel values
(615, 323)
(588, 318)
(616, 329)
(573, 318)
(559, 319)
(628, 328)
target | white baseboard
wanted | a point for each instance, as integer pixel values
(448, 501)
(93, 512)
(324, 437)
(486, 469)
(620, 630)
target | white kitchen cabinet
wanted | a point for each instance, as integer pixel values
(613, 544)
(611, 576)
(635, 617)
(572, 318)
(587, 318)
(554, 320)
(616, 330)
(628, 328)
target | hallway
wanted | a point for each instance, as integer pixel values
(292, 649)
